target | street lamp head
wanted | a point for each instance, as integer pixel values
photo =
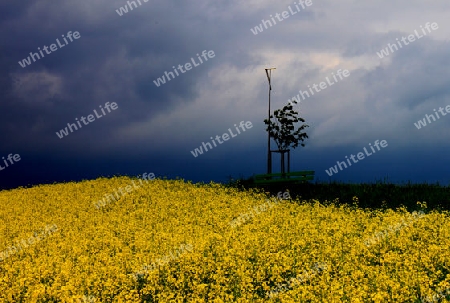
(268, 77)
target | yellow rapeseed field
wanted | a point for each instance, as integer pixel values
(172, 241)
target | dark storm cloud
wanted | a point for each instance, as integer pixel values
(117, 59)
(410, 82)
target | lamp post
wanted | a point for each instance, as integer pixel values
(269, 155)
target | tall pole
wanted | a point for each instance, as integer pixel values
(269, 155)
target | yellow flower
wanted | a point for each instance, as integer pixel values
(300, 251)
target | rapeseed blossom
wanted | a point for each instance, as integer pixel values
(303, 251)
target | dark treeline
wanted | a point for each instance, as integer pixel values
(377, 195)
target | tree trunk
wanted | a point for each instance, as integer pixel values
(283, 162)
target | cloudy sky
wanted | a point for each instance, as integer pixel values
(121, 52)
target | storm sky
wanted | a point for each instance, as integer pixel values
(121, 52)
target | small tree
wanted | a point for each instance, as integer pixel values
(283, 131)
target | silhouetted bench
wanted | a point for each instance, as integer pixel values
(292, 177)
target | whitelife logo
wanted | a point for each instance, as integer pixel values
(124, 9)
(53, 48)
(109, 198)
(10, 158)
(360, 156)
(441, 294)
(411, 38)
(26, 243)
(225, 137)
(242, 218)
(300, 278)
(87, 299)
(322, 85)
(160, 262)
(392, 229)
(284, 15)
(423, 123)
(90, 118)
(158, 82)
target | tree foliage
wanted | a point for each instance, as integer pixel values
(282, 130)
